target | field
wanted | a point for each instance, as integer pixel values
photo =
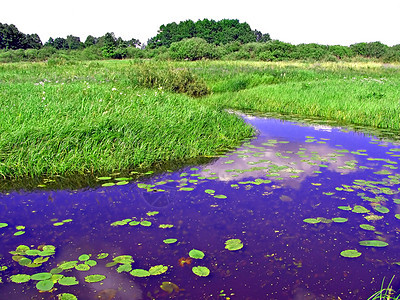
(65, 118)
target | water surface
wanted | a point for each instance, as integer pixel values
(264, 193)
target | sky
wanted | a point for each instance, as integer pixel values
(338, 22)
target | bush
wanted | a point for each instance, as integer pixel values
(180, 80)
(191, 49)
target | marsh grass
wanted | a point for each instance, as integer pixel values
(385, 293)
(101, 116)
(99, 123)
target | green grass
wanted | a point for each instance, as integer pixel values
(98, 117)
(99, 123)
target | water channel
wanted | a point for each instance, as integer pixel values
(273, 219)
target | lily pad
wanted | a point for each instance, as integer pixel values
(145, 223)
(373, 243)
(82, 267)
(102, 255)
(124, 268)
(67, 296)
(45, 285)
(201, 271)
(152, 213)
(367, 227)
(350, 253)
(68, 281)
(94, 278)
(208, 191)
(140, 273)
(170, 241)
(84, 257)
(2, 225)
(360, 209)
(339, 220)
(157, 270)
(20, 278)
(312, 220)
(196, 254)
(233, 244)
(220, 196)
(68, 265)
(169, 287)
(382, 209)
(41, 276)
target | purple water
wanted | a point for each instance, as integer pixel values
(289, 173)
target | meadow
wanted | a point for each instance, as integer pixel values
(66, 117)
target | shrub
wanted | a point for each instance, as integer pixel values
(180, 80)
(191, 49)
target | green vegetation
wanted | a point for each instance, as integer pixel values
(98, 117)
(227, 39)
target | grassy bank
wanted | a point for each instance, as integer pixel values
(78, 119)
(98, 117)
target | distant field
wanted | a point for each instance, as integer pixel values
(81, 117)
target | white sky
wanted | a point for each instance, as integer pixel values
(329, 22)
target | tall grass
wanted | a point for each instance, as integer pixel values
(64, 117)
(100, 123)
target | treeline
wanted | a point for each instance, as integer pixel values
(188, 40)
(108, 45)
(213, 32)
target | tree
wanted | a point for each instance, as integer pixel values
(60, 43)
(33, 41)
(73, 42)
(90, 41)
(218, 33)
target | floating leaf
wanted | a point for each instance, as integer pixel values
(152, 213)
(381, 209)
(165, 226)
(350, 253)
(312, 220)
(41, 276)
(91, 262)
(201, 271)
(196, 254)
(170, 241)
(186, 189)
(68, 281)
(373, 243)
(84, 257)
(108, 184)
(58, 224)
(123, 259)
(82, 267)
(68, 265)
(344, 207)
(339, 220)
(67, 296)
(19, 233)
(20, 278)
(209, 191)
(220, 196)
(169, 287)
(124, 268)
(104, 178)
(367, 227)
(157, 270)
(373, 217)
(233, 244)
(360, 209)
(2, 225)
(102, 255)
(145, 223)
(94, 278)
(140, 273)
(134, 223)
(45, 285)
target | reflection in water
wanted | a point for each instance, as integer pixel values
(261, 193)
